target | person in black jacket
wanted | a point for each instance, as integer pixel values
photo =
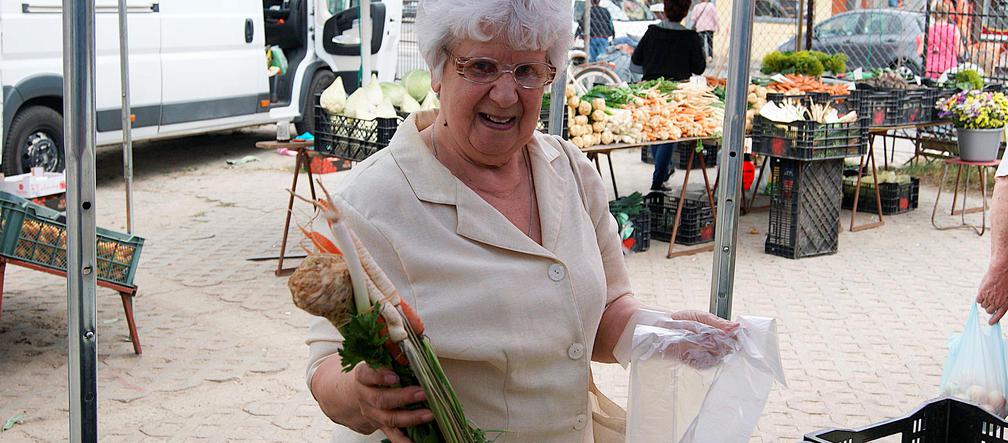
(671, 51)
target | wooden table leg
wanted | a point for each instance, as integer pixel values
(857, 191)
(3, 270)
(290, 209)
(127, 301)
(679, 209)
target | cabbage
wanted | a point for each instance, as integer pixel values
(417, 83)
(374, 91)
(409, 105)
(393, 92)
(430, 102)
(385, 109)
(334, 97)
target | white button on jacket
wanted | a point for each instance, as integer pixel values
(498, 325)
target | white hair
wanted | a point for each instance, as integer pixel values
(526, 25)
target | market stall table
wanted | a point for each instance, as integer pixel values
(873, 132)
(302, 160)
(594, 151)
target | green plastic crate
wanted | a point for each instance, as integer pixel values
(35, 234)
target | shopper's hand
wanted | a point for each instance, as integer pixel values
(706, 318)
(382, 403)
(993, 294)
(703, 345)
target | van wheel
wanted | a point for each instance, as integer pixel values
(320, 81)
(35, 139)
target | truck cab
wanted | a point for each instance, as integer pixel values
(195, 67)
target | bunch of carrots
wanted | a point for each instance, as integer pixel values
(799, 84)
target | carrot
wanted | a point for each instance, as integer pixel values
(323, 244)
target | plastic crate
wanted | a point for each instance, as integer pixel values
(543, 125)
(710, 156)
(808, 140)
(882, 106)
(897, 198)
(804, 208)
(696, 225)
(38, 235)
(641, 224)
(944, 420)
(919, 104)
(352, 138)
(645, 155)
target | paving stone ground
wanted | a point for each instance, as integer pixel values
(862, 333)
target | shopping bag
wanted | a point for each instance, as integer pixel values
(700, 393)
(975, 368)
(608, 418)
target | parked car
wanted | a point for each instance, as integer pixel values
(871, 38)
(631, 18)
(195, 67)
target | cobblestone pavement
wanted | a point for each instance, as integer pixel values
(862, 332)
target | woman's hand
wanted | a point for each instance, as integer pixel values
(706, 318)
(381, 403)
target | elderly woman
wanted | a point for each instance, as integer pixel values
(498, 235)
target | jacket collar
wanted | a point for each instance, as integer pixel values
(477, 220)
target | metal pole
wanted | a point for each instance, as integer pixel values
(809, 22)
(79, 130)
(365, 46)
(127, 123)
(586, 27)
(801, 17)
(733, 136)
(558, 102)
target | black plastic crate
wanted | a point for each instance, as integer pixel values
(944, 420)
(804, 208)
(881, 106)
(808, 140)
(897, 198)
(641, 227)
(543, 125)
(919, 104)
(351, 138)
(709, 152)
(645, 155)
(696, 225)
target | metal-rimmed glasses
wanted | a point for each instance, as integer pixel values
(485, 70)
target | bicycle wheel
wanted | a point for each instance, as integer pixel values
(589, 76)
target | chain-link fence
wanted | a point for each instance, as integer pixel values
(409, 49)
(970, 34)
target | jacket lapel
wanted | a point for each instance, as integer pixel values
(478, 220)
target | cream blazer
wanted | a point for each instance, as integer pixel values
(512, 322)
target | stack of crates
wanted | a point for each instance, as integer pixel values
(696, 225)
(805, 207)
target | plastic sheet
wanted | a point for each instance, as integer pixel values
(975, 368)
(690, 383)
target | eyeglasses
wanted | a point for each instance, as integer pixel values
(484, 70)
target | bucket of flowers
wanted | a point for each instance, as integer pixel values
(980, 118)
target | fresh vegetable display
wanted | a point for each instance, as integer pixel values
(342, 283)
(891, 79)
(381, 99)
(590, 120)
(789, 112)
(798, 84)
(811, 63)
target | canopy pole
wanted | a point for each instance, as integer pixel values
(366, 29)
(733, 135)
(558, 101)
(586, 28)
(79, 130)
(127, 119)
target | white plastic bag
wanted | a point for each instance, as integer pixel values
(975, 368)
(682, 390)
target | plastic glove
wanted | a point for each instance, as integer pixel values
(697, 344)
(686, 320)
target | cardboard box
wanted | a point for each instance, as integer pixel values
(33, 185)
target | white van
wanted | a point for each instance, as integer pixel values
(195, 66)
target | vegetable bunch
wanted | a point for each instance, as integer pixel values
(812, 63)
(347, 287)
